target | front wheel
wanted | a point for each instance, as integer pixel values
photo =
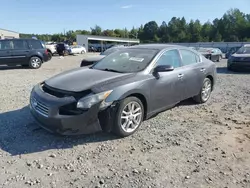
(82, 52)
(205, 91)
(128, 117)
(35, 62)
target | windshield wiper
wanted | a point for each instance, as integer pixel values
(111, 70)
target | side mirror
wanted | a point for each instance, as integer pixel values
(164, 68)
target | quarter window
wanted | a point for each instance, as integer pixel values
(6, 45)
(36, 44)
(188, 57)
(170, 57)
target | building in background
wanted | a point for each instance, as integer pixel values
(7, 34)
(99, 41)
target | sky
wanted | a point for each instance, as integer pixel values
(56, 16)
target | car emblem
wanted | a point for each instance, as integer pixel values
(242, 58)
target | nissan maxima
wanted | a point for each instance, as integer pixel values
(120, 91)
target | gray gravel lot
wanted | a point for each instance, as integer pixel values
(188, 146)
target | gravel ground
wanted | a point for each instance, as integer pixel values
(188, 146)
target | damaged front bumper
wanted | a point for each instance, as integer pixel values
(46, 109)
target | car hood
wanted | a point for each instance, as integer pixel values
(81, 79)
(240, 55)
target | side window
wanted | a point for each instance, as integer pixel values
(170, 57)
(35, 44)
(188, 57)
(20, 44)
(6, 45)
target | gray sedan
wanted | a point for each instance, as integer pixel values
(121, 90)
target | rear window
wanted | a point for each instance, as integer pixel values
(36, 44)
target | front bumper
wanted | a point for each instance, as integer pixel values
(239, 65)
(45, 109)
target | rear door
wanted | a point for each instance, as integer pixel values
(20, 52)
(194, 73)
(5, 52)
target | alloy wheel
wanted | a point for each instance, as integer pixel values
(131, 116)
(35, 62)
(206, 90)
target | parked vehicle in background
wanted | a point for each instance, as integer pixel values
(193, 48)
(214, 54)
(92, 49)
(93, 59)
(25, 52)
(77, 49)
(51, 48)
(217, 53)
(121, 90)
(240, 59)
(231, 51)
(63, 49)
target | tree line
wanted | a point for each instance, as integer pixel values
(233, 26)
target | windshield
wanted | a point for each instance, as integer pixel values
(127, 60)
(109, 51)
(244, 50)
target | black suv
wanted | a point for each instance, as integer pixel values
(25, 52)
(63, 49)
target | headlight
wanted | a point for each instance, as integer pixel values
(88, 102)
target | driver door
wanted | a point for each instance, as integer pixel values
(167, 87)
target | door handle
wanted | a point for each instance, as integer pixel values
(180, 75)
(202, 70)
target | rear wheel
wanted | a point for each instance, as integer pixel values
(35, 62)
(128, 117)
(66, 52)
(82, 52)
(205, 91)
(49, 55)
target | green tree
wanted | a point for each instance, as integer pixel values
(97, 30)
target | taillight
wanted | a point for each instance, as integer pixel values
(46, 51)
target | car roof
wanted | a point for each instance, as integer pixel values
(157, 46)
(19, 39)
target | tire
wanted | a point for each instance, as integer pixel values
(66, 53)
(49, 55)
(82, 52)
(200, 98)
(118, 128)
(35, 62)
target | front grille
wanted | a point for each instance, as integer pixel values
(61, 94)
(40, 107)
(53, 92)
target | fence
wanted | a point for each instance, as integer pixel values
(224, 46)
